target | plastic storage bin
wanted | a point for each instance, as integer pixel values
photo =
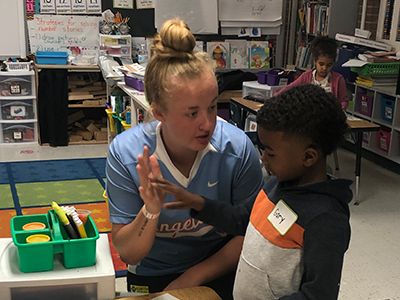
(366, 105)
(16, 84)
(35, 257)
(17, 109)
(116, 45)
(387, 108)
(18, 132)
(18, 66)
(383, 139)
(364, 102)
(51, 57)
(377, 69)
(272, 77)
(257, 90)
(134, 82)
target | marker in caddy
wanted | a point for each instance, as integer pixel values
(64, 220)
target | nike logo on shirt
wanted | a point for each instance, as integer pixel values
(211, 184)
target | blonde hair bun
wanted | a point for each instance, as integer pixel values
(175, 40)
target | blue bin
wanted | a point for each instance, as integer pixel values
(51, 57)
(387, 108)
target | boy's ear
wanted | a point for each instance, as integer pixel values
(311, 156)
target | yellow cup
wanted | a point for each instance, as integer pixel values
(34, 226)
(37, 238)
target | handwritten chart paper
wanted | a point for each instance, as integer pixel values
(58, 33)
(250, 10)
(200, 15)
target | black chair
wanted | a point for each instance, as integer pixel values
(235, 115)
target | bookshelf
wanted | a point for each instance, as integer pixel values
(323, 18)
(388, 29)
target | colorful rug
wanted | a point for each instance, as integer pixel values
(30, 187)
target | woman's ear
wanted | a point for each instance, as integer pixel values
(311, 156)
(158, 113)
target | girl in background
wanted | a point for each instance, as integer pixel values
(323, 50)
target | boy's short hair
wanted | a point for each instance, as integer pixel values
(323, 46)
(306, 111)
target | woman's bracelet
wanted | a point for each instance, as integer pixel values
(149, 215)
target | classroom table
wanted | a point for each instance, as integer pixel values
(198, 293)
(358, 126)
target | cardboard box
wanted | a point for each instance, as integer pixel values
(100, 135)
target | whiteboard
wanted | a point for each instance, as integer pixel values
(12, 28)
(250, 10)
(200, 15)
(60, 32)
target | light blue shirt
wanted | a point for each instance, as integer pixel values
(228, 169)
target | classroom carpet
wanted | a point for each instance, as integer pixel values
(29, 187)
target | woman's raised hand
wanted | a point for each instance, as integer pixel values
(148, 168)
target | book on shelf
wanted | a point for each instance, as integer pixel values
(316, 18)
(219, 52)
(304, 57)
(387, 81)
(259, 55)
(387, 22)
(239, 54)
(363, 42)
(377, 59)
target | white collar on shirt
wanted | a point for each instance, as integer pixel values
(325, 83)
(162, 154)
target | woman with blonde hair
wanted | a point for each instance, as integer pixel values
(188, 146)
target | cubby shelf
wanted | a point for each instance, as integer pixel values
(18, 113)
(380, 106)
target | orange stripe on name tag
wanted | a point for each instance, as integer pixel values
(293, 239)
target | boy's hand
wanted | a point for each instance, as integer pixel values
(183, 198)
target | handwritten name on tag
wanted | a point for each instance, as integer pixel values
(282, 217)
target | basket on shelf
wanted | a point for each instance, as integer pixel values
(18, 66)
(377, 69)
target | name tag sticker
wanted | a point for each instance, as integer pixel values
(282, 217)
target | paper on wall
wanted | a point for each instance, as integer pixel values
(60, 32)
(200, 15)
(140, 4)
(250, 10)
